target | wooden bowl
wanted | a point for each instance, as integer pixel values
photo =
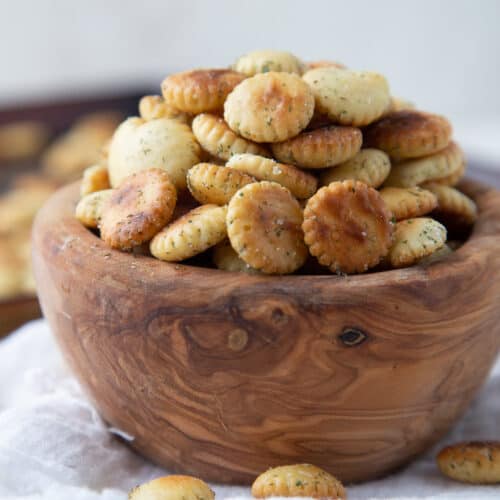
(223, 375)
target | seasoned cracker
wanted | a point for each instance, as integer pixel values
(201, 90)
(19, 206)
(152, 107)
(193, 233)
(263, 61)
(414, 239)
(438, 255)
(320, 148)
(300, 480)
(163, 143)
(476, 462)
(300, 184)
(370, 166)
(22, 139)
(142, 204)
(406, 203)
(99, 124)
(70, 154)
(215, 136)
(409, 134)
(89, 209)
(347, 227)
(398, 104)
(173, 488)
(453, 205)
(19, 261)
(33, 182)
(349, 97)
(264, 227)
(28, 283)
(11, 270)
(225, 258)
(438, 167)
(269, 107)
(210, 183)
(454, 177)
(324, 64)
(95, 178)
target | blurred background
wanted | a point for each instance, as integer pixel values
(441, 54)
(63, 60)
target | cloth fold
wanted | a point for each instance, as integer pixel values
(54, 445)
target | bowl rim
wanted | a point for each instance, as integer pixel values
(57, 218)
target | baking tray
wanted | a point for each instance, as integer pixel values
(58, 115)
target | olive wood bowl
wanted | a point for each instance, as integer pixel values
(223, 375)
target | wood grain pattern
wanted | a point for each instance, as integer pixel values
(223, 375)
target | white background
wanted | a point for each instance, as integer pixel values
(443, 55)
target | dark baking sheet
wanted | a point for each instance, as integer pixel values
(58, 115)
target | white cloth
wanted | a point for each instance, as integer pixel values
(54, 446)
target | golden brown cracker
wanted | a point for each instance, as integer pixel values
(300, 184)
(299, 480)
(95, 178)
(22, 139)
(19, 206)
(438, 167)
(453, 205)
(215, 184)
(173, 488)
(320, 148)
(137, 210)
(263, 61)
(269, 107)
(370, 166)
(405, 203)
(264, 227)
(152, 107)
(414, 239)
(409, 134)
(90, 207)
(201, 90)
(11, 270)
(193, 233)
(348, 97)
(436, 256)
(347, 226)
(476, 462)
(68, 156)
(324, 63)
(215, 137)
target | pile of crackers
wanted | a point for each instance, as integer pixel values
(278, 166)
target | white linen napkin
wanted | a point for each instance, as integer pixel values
(54, 446)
